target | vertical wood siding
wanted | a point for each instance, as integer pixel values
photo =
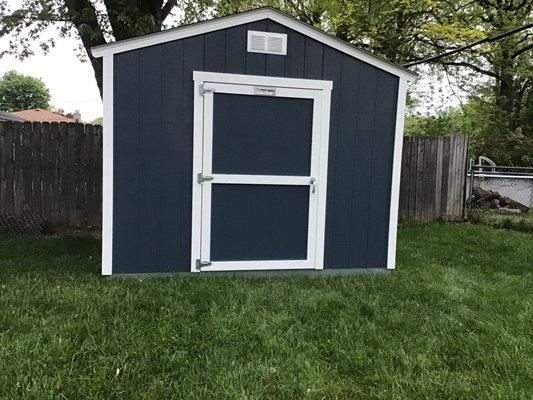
(153, 145)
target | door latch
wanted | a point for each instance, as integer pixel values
(201, 178)
(313, 185)
(200, 264)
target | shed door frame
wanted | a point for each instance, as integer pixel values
(320, 92)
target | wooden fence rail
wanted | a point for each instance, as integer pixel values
(433, 177)
(53, 170)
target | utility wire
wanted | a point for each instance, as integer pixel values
(469, 46)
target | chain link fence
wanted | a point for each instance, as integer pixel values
(500, 196)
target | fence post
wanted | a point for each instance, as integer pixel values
(471, 186)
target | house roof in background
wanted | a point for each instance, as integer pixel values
(5, 116)
(244, 18)
(40, 115)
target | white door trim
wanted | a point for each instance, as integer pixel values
(320, 92)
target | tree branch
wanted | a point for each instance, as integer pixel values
(471, 66)
(77, 11)
(167, 8)
(522, 50)
(35, 18)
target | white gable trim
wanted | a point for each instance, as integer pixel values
(245, 18)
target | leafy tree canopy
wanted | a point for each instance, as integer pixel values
(20, 92)
(402, 31)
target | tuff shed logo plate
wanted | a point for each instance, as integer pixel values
(264, 91)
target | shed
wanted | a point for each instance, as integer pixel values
(249, 142)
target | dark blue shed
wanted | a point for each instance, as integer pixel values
(249, 142)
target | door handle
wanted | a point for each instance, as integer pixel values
(313, 185)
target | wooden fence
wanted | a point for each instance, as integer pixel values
(433, 177)
(53, 170)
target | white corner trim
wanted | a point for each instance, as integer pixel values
(107, 168)
(244, 18)
(396, 174)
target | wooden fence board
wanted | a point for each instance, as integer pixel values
(419, 178)
(8, 169)
(2, 167)
(18, 179)
(36, 200)
(46, 169)
(433, 177)
(412, 165)
(54, 174)
(27, 175)
(404, 181)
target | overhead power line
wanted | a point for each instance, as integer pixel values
(470, 45)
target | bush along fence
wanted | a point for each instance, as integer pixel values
(433, 177)
(50, 173)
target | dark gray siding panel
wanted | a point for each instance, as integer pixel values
(382, 150)
(153, 145)
(236, 50)
(362, 171)
(345, 161)
(256, 62)
(295, 58)
(261, 135)
(259, 222)
(172, 177)
(150, 152)
(193, 60)
(313, 59)
(126, 162)
(275, 65)
(332, 70)
(215, 50)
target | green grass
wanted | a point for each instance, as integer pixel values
(454, 321)
(520, 222)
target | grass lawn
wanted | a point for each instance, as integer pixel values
(454, 321)
(519, 222)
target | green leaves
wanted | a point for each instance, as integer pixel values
(20, 92)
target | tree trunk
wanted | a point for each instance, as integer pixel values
(83, 13)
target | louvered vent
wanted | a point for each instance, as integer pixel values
(257, 42)
(267, 42)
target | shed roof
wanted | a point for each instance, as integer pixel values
(244, 18)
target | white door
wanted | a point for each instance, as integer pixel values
(260, 168)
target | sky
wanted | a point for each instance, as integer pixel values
(73, 86)
(71, 82)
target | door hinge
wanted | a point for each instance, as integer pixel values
(201, 178)
(200, 264)
(205, 89)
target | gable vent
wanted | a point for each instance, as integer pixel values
(267, 42)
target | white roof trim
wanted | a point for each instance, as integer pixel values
(245, 18)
